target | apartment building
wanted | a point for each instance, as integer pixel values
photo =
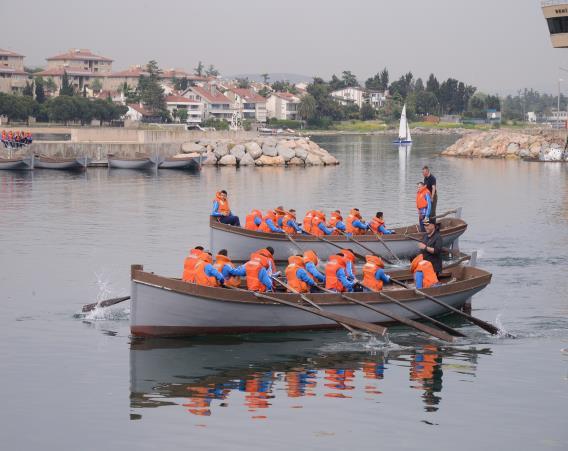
(194, 108)
(251, 104)
(12, 75)
(282, 106)
(215, 104)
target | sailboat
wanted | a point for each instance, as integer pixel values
(403, 129)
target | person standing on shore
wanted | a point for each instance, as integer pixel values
(432, 246)
(430, 182)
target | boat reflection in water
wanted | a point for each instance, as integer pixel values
(204, 375)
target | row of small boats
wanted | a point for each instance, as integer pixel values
(141, 162)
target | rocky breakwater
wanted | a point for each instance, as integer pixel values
(259, 152)
(543, 145)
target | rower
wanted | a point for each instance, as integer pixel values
(377, 225)
(253, 220)
(280, 213)
(354, 224)
(222, 211)
(297, 276)
(336, 222)
(289, 224)
(349, 263)
(374, 274)
(266, 255)
(307, 223)
(225, 266)
(318, 225)
(205, 273)
(311, 261)
(424, 274)
(423, 204)
(432, 246)
(269, 222)
(335, 276)
(256, 273)
(189, 264)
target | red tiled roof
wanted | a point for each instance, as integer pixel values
(248, 95)
(58, 71)
(130, 72)
(143, 111)
(218, 97)
(9, 70)
(79, 54)
(179, 99)
(4, 52)
(285, 95)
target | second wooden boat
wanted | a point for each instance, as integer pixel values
(44, 162)
(17, 164)
(139, 162)
(185, 162)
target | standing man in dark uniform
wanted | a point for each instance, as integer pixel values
(431, 246)
(430, 182)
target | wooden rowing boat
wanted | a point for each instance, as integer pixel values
(404, 243)
(44, 162)
(17, 164)
(139, 162)
(164, 306)
(186, 162)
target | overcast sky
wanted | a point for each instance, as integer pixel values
(496, 45)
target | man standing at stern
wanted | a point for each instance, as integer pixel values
(430, 182)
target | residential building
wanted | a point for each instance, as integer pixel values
(350, 95)
(138, 113)
(12, 75)
(376, 99)
(282, 106)
(215, 104)
(194, 108)
(115, 80)
(493, 116)
(251, 104)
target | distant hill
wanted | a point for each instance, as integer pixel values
(275, 76)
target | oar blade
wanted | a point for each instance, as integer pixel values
(105, 303)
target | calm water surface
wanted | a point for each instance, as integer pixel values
(73, 383)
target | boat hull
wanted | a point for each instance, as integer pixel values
(61, 163)
(244, 242)
(181, 163)
(162, 306)
(142, 163)
(17, 164)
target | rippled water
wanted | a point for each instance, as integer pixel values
(73, 383)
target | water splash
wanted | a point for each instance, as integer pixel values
(106, 291)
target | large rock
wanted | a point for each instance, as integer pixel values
(246, 160)
(329, 160)
(238, 151)
(192, 147)
(228, 160)
(285, 152)
(221, 149)
(512, 148)
(210, 159)
(552, 153)
(295, 161)
(301, 153)
(313, 160)
(253, 149)
(290, 143)
(265, 160)
(269, 151)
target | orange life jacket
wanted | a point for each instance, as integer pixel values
(224, 208)
(271, 214)
(369, 270)
(189, 265)
(375, 223)
(421, 201)
(288, 229)
(249, 221)
(334, 218)
(310, 256)
(333, 265)
(3, 135)
(427, 270)
(252, 268)
(10, 135)
(296, 284)
(317, 219)
(200, 277)
(349, 255)
(308, 221)
(349, 227)
(265, 257)
(220, 262)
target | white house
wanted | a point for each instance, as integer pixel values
(251, 104)
(351, 95)
(215, 104)
(282, 106)
(376, 99)
(194, 108)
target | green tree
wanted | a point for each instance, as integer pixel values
(307, 107)
(62, 109)
(349, 79)
(418, 85)
(403, 86)
(426, 103)
(243, 83)
(66, 86)
(384, 77)
(211, 71)
(379, 81)
(28, 89)
(39, 91)
(432, 85)
(180, 84)
(284, 86)
(50, 85)
(96, 85)
(265, 78)
(264, 92)
(367, 112)
(200, 69)
(182, 114)
(150, 90)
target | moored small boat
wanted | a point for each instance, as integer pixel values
(163, 306)
(17, 164)
(139, 162)
(185, 162)
(44, 162)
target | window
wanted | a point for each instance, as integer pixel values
(558, 25)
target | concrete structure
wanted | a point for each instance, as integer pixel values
(12, 75)
(282, 106)
(351, 95)
(194, 108)
(556, 15)
(376, 99)
(251, 105)
(215, 104)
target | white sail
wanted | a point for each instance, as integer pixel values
(403, 127)
(408, 137)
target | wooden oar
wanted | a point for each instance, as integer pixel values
(359, 256)
(401, 319)
(357, 324)
(350, 238)
(294, 242)
(309, 301)
(388, 248)
(105, 303)
(478, 322)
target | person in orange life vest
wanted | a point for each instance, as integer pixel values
(189, 264)
(222, 211)
(269, 222)
(335, 276)
(336, 222)
(297, 276)
(349, 263)
(253, 220)
(4, 136)
(423, 204)
(289, 224)
(29, 137)
(307, 223)
(377, 225)
(266, 256)
(318, 225)
(374, 274)
(280, 213)
(256, 273)
(424, 274)
(205, 272)
(354, 224)
(311, 261)
(224, 265)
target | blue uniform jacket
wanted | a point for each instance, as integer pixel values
(303, 276)
(381, 275)
(324, 229)
(311, 268)
(340, 225)
(228, 271)
(262, 276)
(272, 227)
(216, 209)
(426, 211)
(296, 227)
(210, 271)
(343, 279)
(385, 231)
(257, 221)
